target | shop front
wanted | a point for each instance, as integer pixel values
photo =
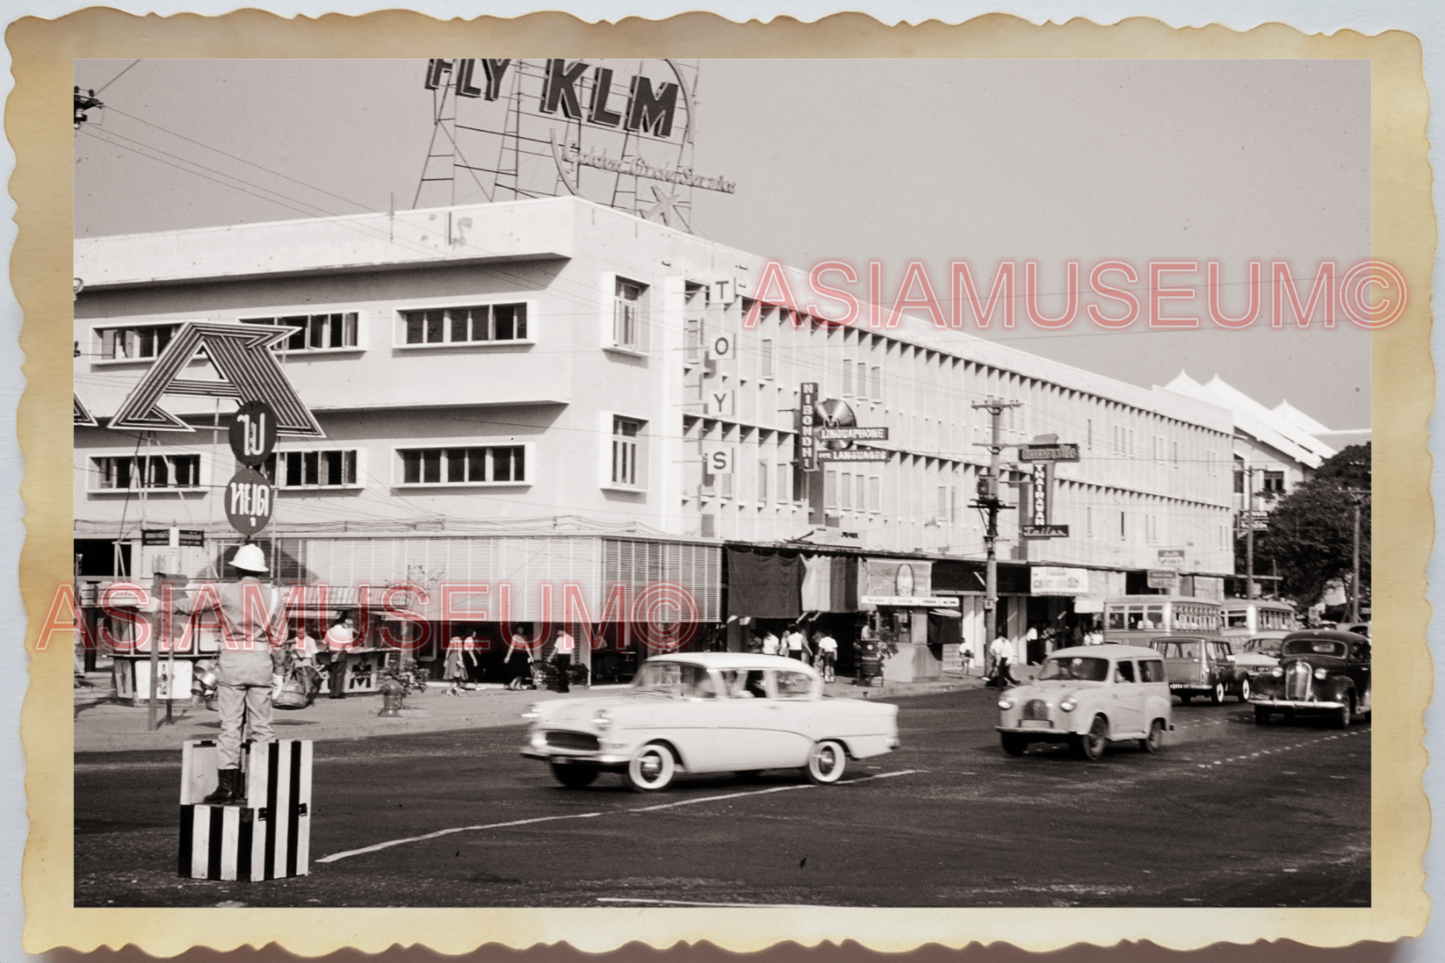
(898, 595)
(965, 581)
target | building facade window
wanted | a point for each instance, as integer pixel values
(692, 341)
(762, 481)
(135, 343)
(335, 468)
(1211, 467)
(314, 332)
(785, 474)
(1274, 482)
(830, 488)
(845, 492)
(500, 464)
(765, 358)
(625, 432)
(627, 317)
(1239, 483)
(875, 493)
(130, 473)
(469, 324)
(876, 385)
(847, 376)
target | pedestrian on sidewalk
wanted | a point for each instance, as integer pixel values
(827, 654)
(522, 675)
(562, 658)
(798, 645)
(770, 642)
(454, 671)
(339, 640)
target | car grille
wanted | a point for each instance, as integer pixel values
(573, 740)
(1036, 709)
(1297, 681)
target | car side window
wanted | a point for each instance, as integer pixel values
(1151, 670)
(793, 685)
(1123, 672)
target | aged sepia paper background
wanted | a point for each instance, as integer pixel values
(1403, 233)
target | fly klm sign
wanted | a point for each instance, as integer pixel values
(642, 109)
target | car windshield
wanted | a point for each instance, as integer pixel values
(1087, 670)
(1263, 646)
(1178, 650)
(1315, 647)
(679, 679)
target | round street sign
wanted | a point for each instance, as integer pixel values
(253, 433)
(249, 501)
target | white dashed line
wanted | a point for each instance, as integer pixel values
(636, 809)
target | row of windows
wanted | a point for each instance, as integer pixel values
(1273, 482)
(475, 323)
(317, 332)
(463, 466)
(312, 469)
(146, 471)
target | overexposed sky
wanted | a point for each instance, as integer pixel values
(858, 160)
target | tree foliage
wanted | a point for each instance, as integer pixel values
(1310, 538)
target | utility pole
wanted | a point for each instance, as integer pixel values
(988, 500)
(1249, 534)
(1357, 499)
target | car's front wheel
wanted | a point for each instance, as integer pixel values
(1344, 715)
(651, 769)
(1155, 740)
(1013, 743)
(826, 762)
(1091, 744)
(1244, 690)
(573, 777)
(1216, 695)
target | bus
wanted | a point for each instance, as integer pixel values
(1135, 619)
(1258, 619)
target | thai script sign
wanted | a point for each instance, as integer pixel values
(1052, 580)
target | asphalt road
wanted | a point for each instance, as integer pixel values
(1229, 814)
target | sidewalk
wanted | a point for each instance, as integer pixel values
(105, 725)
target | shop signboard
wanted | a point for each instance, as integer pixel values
(1058, 451)
(1171, 557)
(1256, 521)
(186, 537)
(853, 454)
(1053, 580)
(1163, 579)
(1039, 503)
(719, 461)
(807, 418)
(912, 601)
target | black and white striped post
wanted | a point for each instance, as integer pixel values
(267, 837)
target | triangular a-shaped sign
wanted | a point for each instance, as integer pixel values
(247, 370)
(83, 417)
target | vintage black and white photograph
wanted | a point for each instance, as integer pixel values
(641, 484)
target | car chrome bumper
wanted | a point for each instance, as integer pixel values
(574, 757)
(1296, 704)
(1036, 731)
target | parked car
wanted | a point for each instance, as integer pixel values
(710, 712)
(1359, 628)
(1201, 665)
(1252, 655)
(1089, 696)
(1319, 671)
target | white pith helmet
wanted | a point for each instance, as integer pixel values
(250, 558)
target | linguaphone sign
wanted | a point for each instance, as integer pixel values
(617, 132)
(827, 431)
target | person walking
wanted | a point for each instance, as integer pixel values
(798, 645)
(522, 674)
(827, 655)
(1002, 651)
(245, 670)
(340, 639)
(454, 671)
(562, 658)
(770, 642)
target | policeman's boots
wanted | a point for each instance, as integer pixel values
(228, 788)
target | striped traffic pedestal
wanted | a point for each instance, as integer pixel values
(268, 836)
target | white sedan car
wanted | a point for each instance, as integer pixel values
(709, 712)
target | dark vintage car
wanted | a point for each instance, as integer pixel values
(1201, 665)
(1320, 671)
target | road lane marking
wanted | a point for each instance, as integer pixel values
(642, 809)
(1242, 757)
(688, 902)
(763, 792)
(447, 832)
